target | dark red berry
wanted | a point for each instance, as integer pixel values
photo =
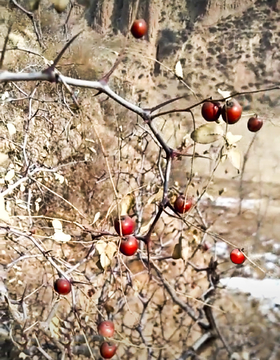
(182, 204)
(129, 245)
(211, 110)
(106, 328)
(62, 286)
(237, 257)
(108, 350)
(254, 124)
(139, 28)
(127, 225)
(231, 111)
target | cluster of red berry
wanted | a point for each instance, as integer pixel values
(231, 113)
(107, 349)
(125, 225)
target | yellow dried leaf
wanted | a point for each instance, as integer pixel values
(104, 260)
(54, 327)
(100, 246)
(110, 250)
(234, 156)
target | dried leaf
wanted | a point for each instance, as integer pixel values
(100, 246)
(207, 133)
(57, 225)
(224, 94)
(59, 177)
(155, 198)
(235, 158)
(179, 70)
(232, 139)
(96, 217)
(10, 174)
(177, 251)
(126, 204)
(61, 236)
(110, 250)
(23, 356)
(11, 128)
(54, 327)
(104, 260)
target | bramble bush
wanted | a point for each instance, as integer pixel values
(88, 176)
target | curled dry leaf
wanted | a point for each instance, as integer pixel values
(126, 204)
(179, 70)
(232, 139)
(224, 94)
(100, 246)
(104, 260)
(106, 251)
(57, 225)
(235, 157)
(207, 133)
(96, 217)
(59, 235)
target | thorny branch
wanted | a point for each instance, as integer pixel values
(210, 329)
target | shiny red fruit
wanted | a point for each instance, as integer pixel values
(254, 124)
(129, 245)
(237, 257)
(231, 111)
(108, 350)
(62, 286)
(139, 28)
(211, 111)
(127, 225)
(106, 328)
(182, 204)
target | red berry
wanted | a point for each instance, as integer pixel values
(139, 28)
(231, 111)
(107, 350)
(62, 286)
(129, 245)
(127, 225)
(182, 204)
(106, 328)
(211, 110)
(237, 257)
(254, 124)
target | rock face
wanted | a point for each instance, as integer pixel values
(237, 39)
(217, 9)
